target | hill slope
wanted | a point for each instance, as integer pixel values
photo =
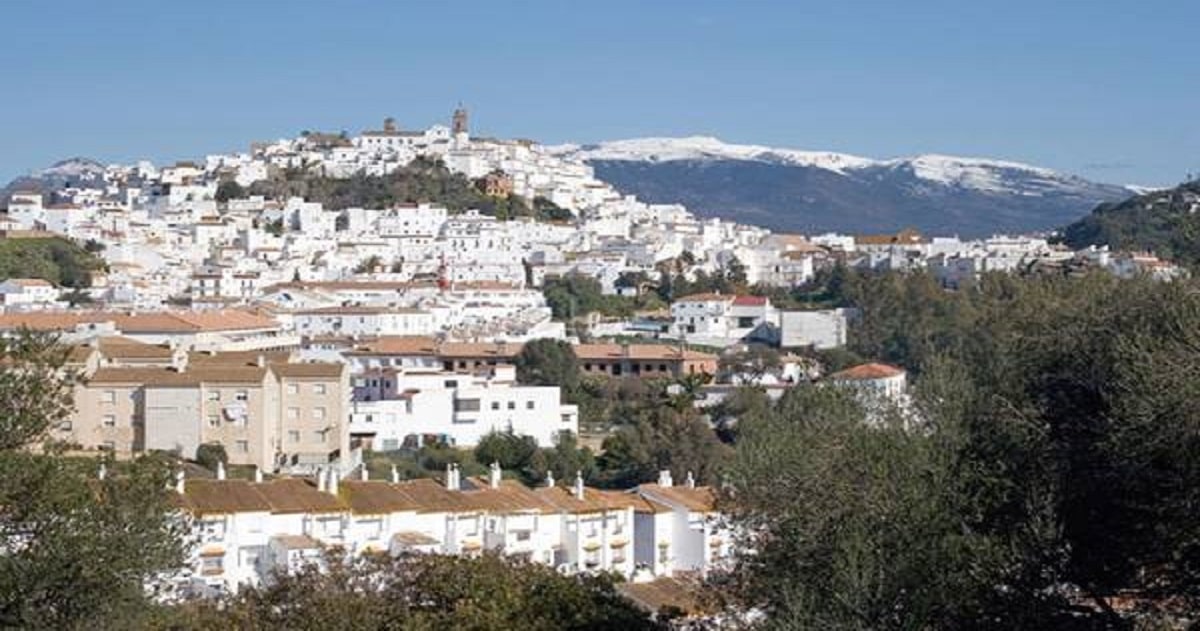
(811, 191)
(1165, 222)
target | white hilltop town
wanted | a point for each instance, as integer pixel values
(299, 336)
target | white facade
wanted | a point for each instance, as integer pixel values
(392, 406)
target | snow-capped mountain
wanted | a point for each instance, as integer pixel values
(788, 189)
(72, 168)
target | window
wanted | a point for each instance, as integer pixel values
(466, 405)
(241, 395)
(664, 553)
(212, 564)
(108, 396)
(495, 405)
(529, 405)
(523, 535)
(512, 405)
(293, 413)
(214, 420)
(319, 436)
(318, 414)
(109, 420)
(64, 426)
(293, 436)
(243, 446)
(318, 388)
(214, 395)
(450, 383)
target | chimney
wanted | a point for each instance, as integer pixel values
(258, 477)
(691, 481)
(450, 485)
(332, 485)
(395, 475)
(664, 479)
(364, 473)
(220, 470)
(262, 361)
(550, 479)
(102, 473)
(321, 480)
(494, 475)
(179, 478)
(579, 485)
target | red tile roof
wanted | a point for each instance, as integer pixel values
(866, 372)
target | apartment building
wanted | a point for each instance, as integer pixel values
(397, 407)
(615, 360)
(723, 319)
(264, 409)
(643, 360)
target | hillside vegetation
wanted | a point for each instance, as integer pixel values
(421, 181)
(1163, 222)
(57, 260)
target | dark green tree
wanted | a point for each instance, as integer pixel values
(548, 362)
(79, 549)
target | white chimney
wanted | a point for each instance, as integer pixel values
(395, 475)
(364, 473)
(258, 477)
(494, 475)
(550, 479)
(579, 485)
(103, 472)
(321, 480)
(691, 481)
(664, 478)
(179, 477)
(220, 470)
(262, 361)
(332, 485)
(450, 485)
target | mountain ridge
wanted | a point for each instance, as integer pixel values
(798, 190)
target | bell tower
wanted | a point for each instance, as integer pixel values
(459, 121)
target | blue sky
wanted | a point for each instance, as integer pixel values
(1104, 89)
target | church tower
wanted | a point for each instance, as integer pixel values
(459, 122)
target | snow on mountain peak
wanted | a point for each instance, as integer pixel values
(73, 167)
(983, 174)
(666, 149)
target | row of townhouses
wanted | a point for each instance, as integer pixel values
(249, 530)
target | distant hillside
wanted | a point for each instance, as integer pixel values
(72, 172)
(57, 260)
(810, 191)
(1165, 222)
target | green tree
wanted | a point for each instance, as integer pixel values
(229, 189)
(421, 592)
(661, 437)
(513, 452)
(564, 460)
(79, 549)
(209, 455)
(548, 362)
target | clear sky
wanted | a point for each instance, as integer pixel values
(1106, 89)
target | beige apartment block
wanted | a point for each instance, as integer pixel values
(265, 409)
